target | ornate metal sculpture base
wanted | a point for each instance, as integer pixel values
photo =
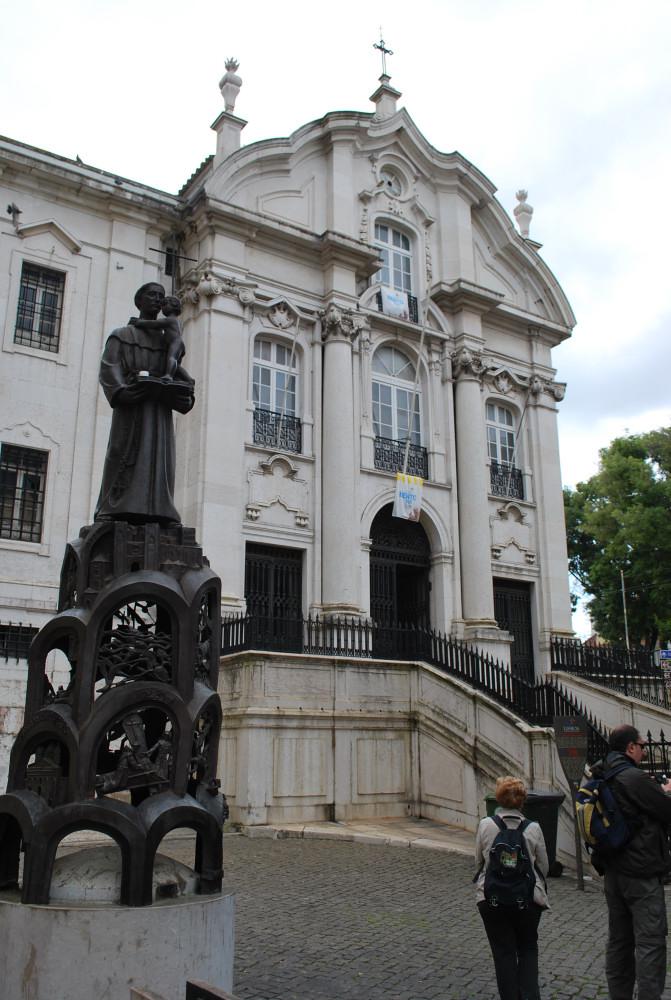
(128, 745)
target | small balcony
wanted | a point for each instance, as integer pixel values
(413, 310)
(279, 431)
(390, 456)
(506, 481)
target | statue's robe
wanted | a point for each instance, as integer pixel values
(139, 473)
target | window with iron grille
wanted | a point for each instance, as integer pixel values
(38, 317)
(23, 474)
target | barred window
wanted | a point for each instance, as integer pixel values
(23, 474)
(38, 318)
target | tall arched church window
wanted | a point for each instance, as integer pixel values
(395, 298)
(393, 422)
(275, 396)
(506, 478)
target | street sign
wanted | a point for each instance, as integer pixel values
(571, 740)
(665, 654)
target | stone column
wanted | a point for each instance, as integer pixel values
(340, 457)
(473, 490)
(554, 602)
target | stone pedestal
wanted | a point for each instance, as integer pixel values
(85, 952)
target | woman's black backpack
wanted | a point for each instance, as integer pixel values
(509, 876)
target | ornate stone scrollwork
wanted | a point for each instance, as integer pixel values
(282, 316)
(468, 363)
(428, 261)
(503, 383)
(209, 285)
(342, 324)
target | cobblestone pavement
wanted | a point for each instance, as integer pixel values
(325, 920)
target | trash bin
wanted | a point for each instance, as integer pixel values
(543, 808)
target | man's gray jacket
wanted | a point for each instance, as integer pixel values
(647, 810)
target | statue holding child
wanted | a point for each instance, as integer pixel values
(143, 380)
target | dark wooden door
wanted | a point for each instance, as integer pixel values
(512, 609)
(273, 592)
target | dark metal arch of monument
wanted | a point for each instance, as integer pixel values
(128, 746)
(400, 559)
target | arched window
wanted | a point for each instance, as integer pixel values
(275, 396)
(506, 479)
(393, 388)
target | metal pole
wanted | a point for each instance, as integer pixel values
(578, 843)
(624, 608)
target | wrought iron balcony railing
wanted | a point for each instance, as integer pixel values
(390, 455)
(506, 481)
(277, 430)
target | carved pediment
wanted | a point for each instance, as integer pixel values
(54, 229)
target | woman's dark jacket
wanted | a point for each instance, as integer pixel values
(647, 809)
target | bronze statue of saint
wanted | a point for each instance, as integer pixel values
(139, 473)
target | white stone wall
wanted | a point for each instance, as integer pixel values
(314, 738)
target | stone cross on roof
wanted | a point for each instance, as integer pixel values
(384, 52)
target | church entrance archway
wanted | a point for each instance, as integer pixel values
(399, 577)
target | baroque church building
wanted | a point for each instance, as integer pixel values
(354, 304)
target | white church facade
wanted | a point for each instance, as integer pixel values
(355, 303)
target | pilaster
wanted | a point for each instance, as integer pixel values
(476, 577)
(340, 537)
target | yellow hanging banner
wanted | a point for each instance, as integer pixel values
(408, 499)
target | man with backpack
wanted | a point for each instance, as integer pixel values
(511, 895)
(634, 873)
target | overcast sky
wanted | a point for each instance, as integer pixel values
(570, 100)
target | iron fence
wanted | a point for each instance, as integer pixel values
(633, 672)
(15, 640)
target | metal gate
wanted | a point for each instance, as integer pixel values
(399, 579)
(512, 610)
(273, 592)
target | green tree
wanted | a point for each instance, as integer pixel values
(620, 520)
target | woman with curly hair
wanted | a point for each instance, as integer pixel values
(512, 929)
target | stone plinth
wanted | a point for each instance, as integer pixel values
(80, 952)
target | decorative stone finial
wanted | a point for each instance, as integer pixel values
(230, 84)
(523, 212)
